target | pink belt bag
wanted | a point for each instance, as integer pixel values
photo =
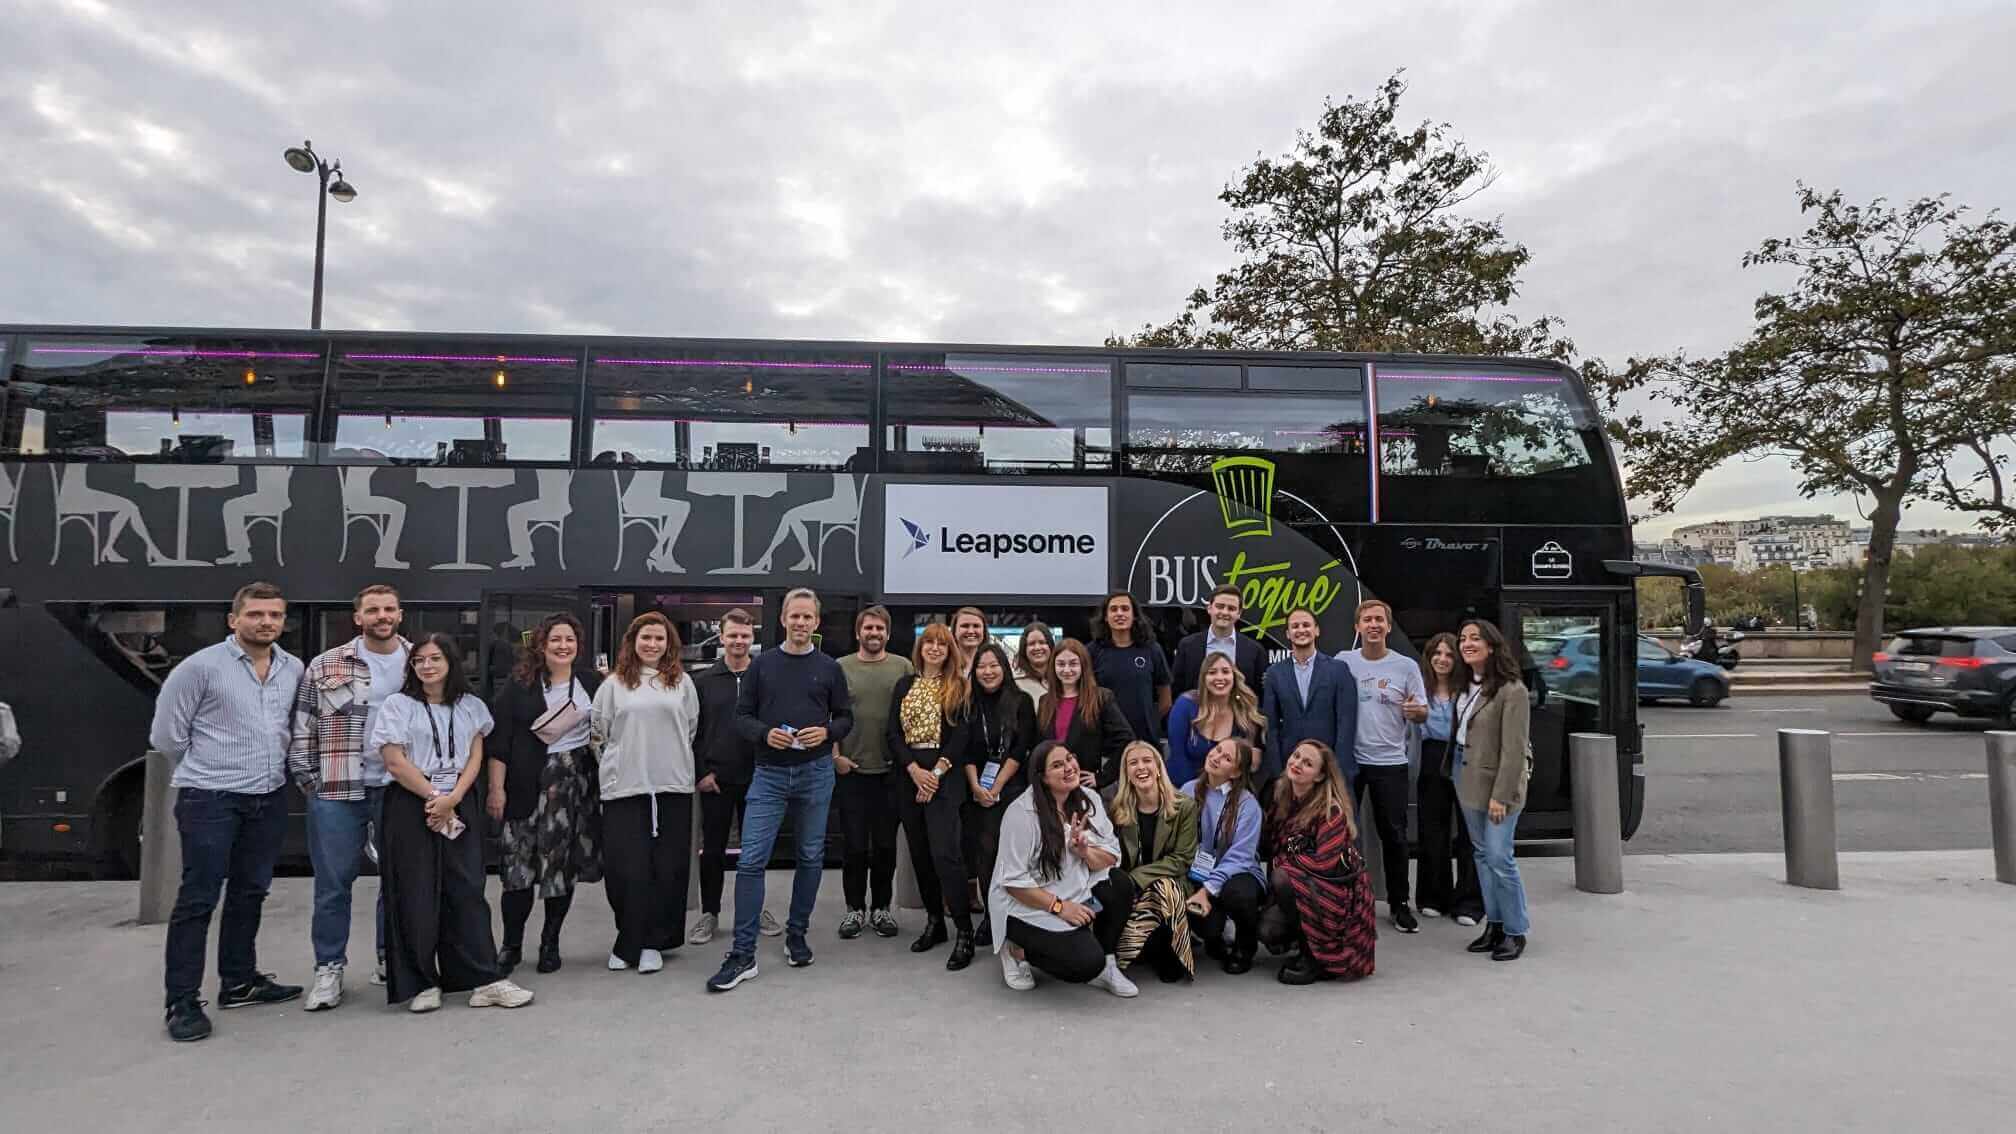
(557, 723)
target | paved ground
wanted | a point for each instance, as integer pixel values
(1710, 995)
(1712, 777)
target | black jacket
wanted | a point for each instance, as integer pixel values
(720, 747)
(954, 743)
(1096, 741)
(1008, 735)
(1189, 664)
(516, 709)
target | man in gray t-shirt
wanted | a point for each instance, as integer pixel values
(1391, 695)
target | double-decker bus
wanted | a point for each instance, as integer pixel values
(146, 473)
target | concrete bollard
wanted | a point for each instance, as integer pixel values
(693, 860)
(908, 896)
(1374, 854)
(1806, 796)
(160, 843)
(2002, 802)
(1599, 837)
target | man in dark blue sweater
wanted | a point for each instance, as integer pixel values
(794, 706)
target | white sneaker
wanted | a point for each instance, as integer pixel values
(1114, 981)
(378, 974)
(1465, 919)
(703, 930)
(1015, 973)
(617, 964)
(328, 990)
(1430, 911)
(650, 961)
(498, 994)
(428, 1000)
(767, 925)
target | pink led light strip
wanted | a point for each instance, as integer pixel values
(1390, 377)
(752, 363)
(489, 359)
(906, 366)
(162, 352)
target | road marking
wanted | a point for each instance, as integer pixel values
(1892, 777)
(1915, 735)
(1781, 710)
(1700, 736)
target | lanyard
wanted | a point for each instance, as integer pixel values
(441, 754)
(987, 740)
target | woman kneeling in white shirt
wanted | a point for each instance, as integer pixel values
(1056, 901)
(437, 931)
(644, 720)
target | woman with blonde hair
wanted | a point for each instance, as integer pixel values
(1157, 826)
(930, 720)
(1321, 897)
(1222, 707)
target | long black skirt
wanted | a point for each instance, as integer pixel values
(437, 922)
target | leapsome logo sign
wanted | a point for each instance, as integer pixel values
(984, 539)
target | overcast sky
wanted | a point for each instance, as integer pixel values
(896, 171)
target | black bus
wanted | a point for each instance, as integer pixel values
(146, 473)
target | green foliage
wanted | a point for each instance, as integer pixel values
(1938, 586)
(1353, 242)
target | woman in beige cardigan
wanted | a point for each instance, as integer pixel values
(1495, 757)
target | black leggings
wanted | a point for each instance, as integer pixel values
(980, 843)
(518, 910)
(718, 810)
(932, 830)
(1443, 837)
(1239, 899)
(1078, 955)
(644, 874)
(869, 812)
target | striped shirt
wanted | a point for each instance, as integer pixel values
(224, 728)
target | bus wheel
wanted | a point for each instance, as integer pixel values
(1705, 694)
(119, 837)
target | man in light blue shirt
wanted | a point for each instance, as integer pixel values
(223, 717)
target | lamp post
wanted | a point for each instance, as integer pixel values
(304, 159)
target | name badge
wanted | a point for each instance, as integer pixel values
(1202, 866)
(444, 780)
(989, 774)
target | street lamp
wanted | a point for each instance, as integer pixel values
(304, 159)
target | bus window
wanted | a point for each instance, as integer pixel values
(453, 404)
(1184, 375)
(156, 399)
(732, 410)
(980, 413)
(1316, 444)
(1501, 447)
(458, 622)
(142, 642)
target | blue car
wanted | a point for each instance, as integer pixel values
(1569, 664)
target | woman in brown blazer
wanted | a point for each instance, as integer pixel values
(1495, 757)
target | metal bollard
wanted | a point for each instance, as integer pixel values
(1599, 820)
(2002, 802)
(1806, 794)
(160, 843)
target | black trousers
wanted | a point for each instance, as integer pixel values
(932, 830)
(870, 811)
(1387, 785)
(437, 922)
(980, 841)
(645, 874)
(1240, 899)
(1078, 955)
(1443, 838)
(718, 811)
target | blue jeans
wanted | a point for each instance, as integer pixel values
(805, 792)
(230, 842)
(1498, 870)
(337, 829)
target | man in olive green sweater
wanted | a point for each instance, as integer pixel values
(866, 785)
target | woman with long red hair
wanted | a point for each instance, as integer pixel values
(644, 720)
(930, 720)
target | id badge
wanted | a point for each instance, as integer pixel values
(989, 774)
(444, 780)
(1202, 866)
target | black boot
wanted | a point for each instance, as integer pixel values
(1494, 933)
(932, 937)
(962, 952)
(508, 958)
(1303, 968)
(983, 933)
(1510, 948)
(549, 947)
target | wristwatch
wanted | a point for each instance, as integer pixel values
(1056, 906)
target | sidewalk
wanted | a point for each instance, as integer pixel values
(1711, 995)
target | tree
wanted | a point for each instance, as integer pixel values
(1354, 242)
(1867, 373)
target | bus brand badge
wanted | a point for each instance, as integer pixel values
(919, 537)
(1552, 561)
(1245, 494)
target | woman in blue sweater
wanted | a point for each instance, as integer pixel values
(1222, 707)
(1227, 867)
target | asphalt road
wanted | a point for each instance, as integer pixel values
(1711, 777)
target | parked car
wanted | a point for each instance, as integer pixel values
(1570, 666)
(1968, 670)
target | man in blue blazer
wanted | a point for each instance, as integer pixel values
(1308, 696)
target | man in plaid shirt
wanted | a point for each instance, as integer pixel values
(338, 701)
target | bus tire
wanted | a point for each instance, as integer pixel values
(119, 812)
(1705, 693)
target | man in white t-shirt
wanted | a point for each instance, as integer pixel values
(1391, 695)
(342, 777)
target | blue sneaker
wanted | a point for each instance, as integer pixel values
(797, 953)
(735, 968)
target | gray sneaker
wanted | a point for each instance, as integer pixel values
(852, 924)
(767, 925)
(703, 929)
(884, 923)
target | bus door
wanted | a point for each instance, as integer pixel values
(508, 619)
(1566, 646)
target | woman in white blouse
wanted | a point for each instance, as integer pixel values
(437, 931)
(1056, 901)
(644, 720)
